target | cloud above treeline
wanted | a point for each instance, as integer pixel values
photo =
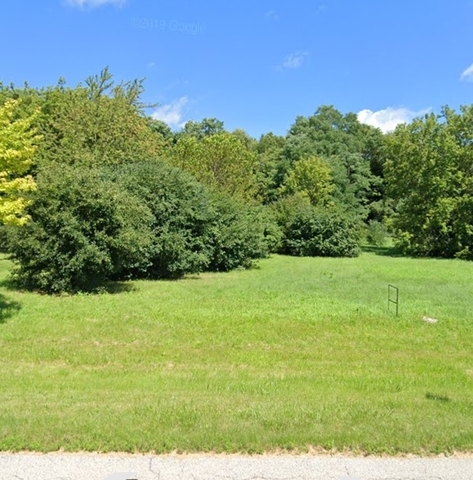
(389, 118)
(172, 113)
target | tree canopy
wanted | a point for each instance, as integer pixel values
(220, 161)
(18, 143)
(429, 173)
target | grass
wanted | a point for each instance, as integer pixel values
(299, 352)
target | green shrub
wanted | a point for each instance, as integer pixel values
(237, 234)
(181, 212)
(4, 238)
(140, 220)
(315, 231)
(83, 230)
(286, 208)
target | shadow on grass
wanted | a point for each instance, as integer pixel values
(111, 287)
(383, 251)
(116, 287)
(8, 308)
(438, 398)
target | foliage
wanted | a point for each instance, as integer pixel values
(248, 142)
(286, 208)
(312, 178)
(238, 234)
(167, 138)
(140, 220)
(315, 231)
(323, 233)
(204, 128)
(180, 209)
(99, 131)
(17, 146)
(351, 150)
(429, 175)
(96, 124)
(219, 161)
(271, 167)
(83, 230)
(376, 233)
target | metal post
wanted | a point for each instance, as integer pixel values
(391, 291)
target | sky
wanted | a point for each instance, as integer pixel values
(254, 65)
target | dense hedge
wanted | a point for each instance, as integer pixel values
(141, 220)
(315, 231)
(150, 220)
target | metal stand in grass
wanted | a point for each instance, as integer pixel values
(393, 297)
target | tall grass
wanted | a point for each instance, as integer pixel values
(299, 352)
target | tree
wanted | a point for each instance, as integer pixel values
(248, 142)
(312, 178)
(18, 142)
(180, 209)
(205, 128)
(220, 161)
(99, 124)
(429, 171)
(350, 149)
(271, 167)
(136, 220)
(307, 230)
(238, 233)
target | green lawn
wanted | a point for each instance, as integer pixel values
(299, 352)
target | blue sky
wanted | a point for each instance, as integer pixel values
(255, 64)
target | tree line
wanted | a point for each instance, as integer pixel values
(93, 189)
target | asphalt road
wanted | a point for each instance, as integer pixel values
(208, 467)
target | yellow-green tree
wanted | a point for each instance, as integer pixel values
(17, 146)
(311, 178)
(219, 161)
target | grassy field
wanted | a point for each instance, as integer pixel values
(299, 352)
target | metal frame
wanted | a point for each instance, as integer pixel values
(393, 289)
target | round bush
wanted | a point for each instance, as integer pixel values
(315, 231)
(237, 234)
(179, 205)
(83, 230)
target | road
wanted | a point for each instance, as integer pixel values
(58, 466)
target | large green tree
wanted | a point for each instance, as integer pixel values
(100, 122)
(352, 149)
(204, 128)
(271, 167)
(429, 173)
(87, 125)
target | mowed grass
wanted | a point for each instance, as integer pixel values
(298, 353)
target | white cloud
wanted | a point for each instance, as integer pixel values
(172, 113)
(389, 118)
(272, 15)
(467, 75)
(95, 3)
(293, 60)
